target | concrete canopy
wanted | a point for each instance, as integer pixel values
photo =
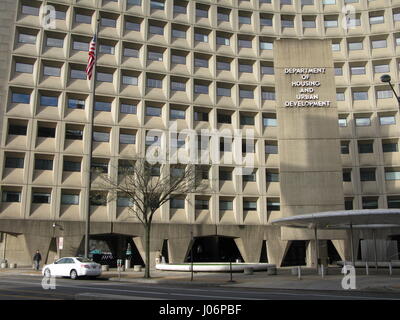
(367, 218)
(347, 219)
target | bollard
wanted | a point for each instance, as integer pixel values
(322, 271)
(137, 268)
(299, 272)
(390, 268)
(366, 268)
(13, 265)
(105, 268)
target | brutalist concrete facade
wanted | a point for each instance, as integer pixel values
(200, 65)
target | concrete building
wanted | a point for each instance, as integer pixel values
(228, 64)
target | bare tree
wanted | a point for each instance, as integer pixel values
(148, 186)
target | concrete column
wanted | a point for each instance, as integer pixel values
(276, 250)
(155, 248)
(178, 249)
(37, 242)
(250, 248)
(310, 254)
(341, 246)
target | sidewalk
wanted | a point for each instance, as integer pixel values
(376, 282)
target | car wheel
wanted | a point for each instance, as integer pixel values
(73, 275)
(47, 273)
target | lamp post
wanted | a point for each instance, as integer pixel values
(386, 78)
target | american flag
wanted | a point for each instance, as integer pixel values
(92, 58)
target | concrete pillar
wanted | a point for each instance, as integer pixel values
(310, 254)
(276, 250)
(178, 249)
(155, 248)
(341, 246)
(36, 242)
(250, 248)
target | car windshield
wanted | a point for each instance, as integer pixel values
(84, 260)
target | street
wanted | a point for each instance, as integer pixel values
(21, 287)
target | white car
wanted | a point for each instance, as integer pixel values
(72, 267)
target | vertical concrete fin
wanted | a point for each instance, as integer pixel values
(250, 248)
(276, 250)
(340, 246)
(36, 242)
(155, 248)
(178, 249)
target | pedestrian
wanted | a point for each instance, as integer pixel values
(36, 259)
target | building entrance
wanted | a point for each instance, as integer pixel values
(214, 249)
(106, 249)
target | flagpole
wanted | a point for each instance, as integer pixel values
(91, 121)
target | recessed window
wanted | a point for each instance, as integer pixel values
(27, 38)
(270, 121)
(81, 18)
(43, 164)
(246, 94)
(30, 10)
(80, 46)
(367, 174)
(102, 106)
(76, 103)
(13, 162)
(225, 205)
(355, 46)
(23, 67)
(131, 52)
(153, 111)
(153, 29)
(104, 77)
(360, 95)
(271, 148)
(390, 146)
(177, 203)
(17, 130)
(363, 122)
(11, 196)
(78, 74)
(51, 71)
(101, 136)
(54, 42)
(155, 56)
(69, 199)
(41, 198)
(387, 120)
(125, 138)
(132, 26)
(48, 101)
(128, 108)
(73, 134)
(106, 49)
(108, 22)
(157, 5)
(72, 166)
(201, 37)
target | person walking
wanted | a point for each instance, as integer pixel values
(36, 259)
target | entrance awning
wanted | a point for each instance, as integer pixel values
(343, 219)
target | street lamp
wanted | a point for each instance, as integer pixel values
(386, 78)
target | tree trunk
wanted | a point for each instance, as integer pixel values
(147, 229)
